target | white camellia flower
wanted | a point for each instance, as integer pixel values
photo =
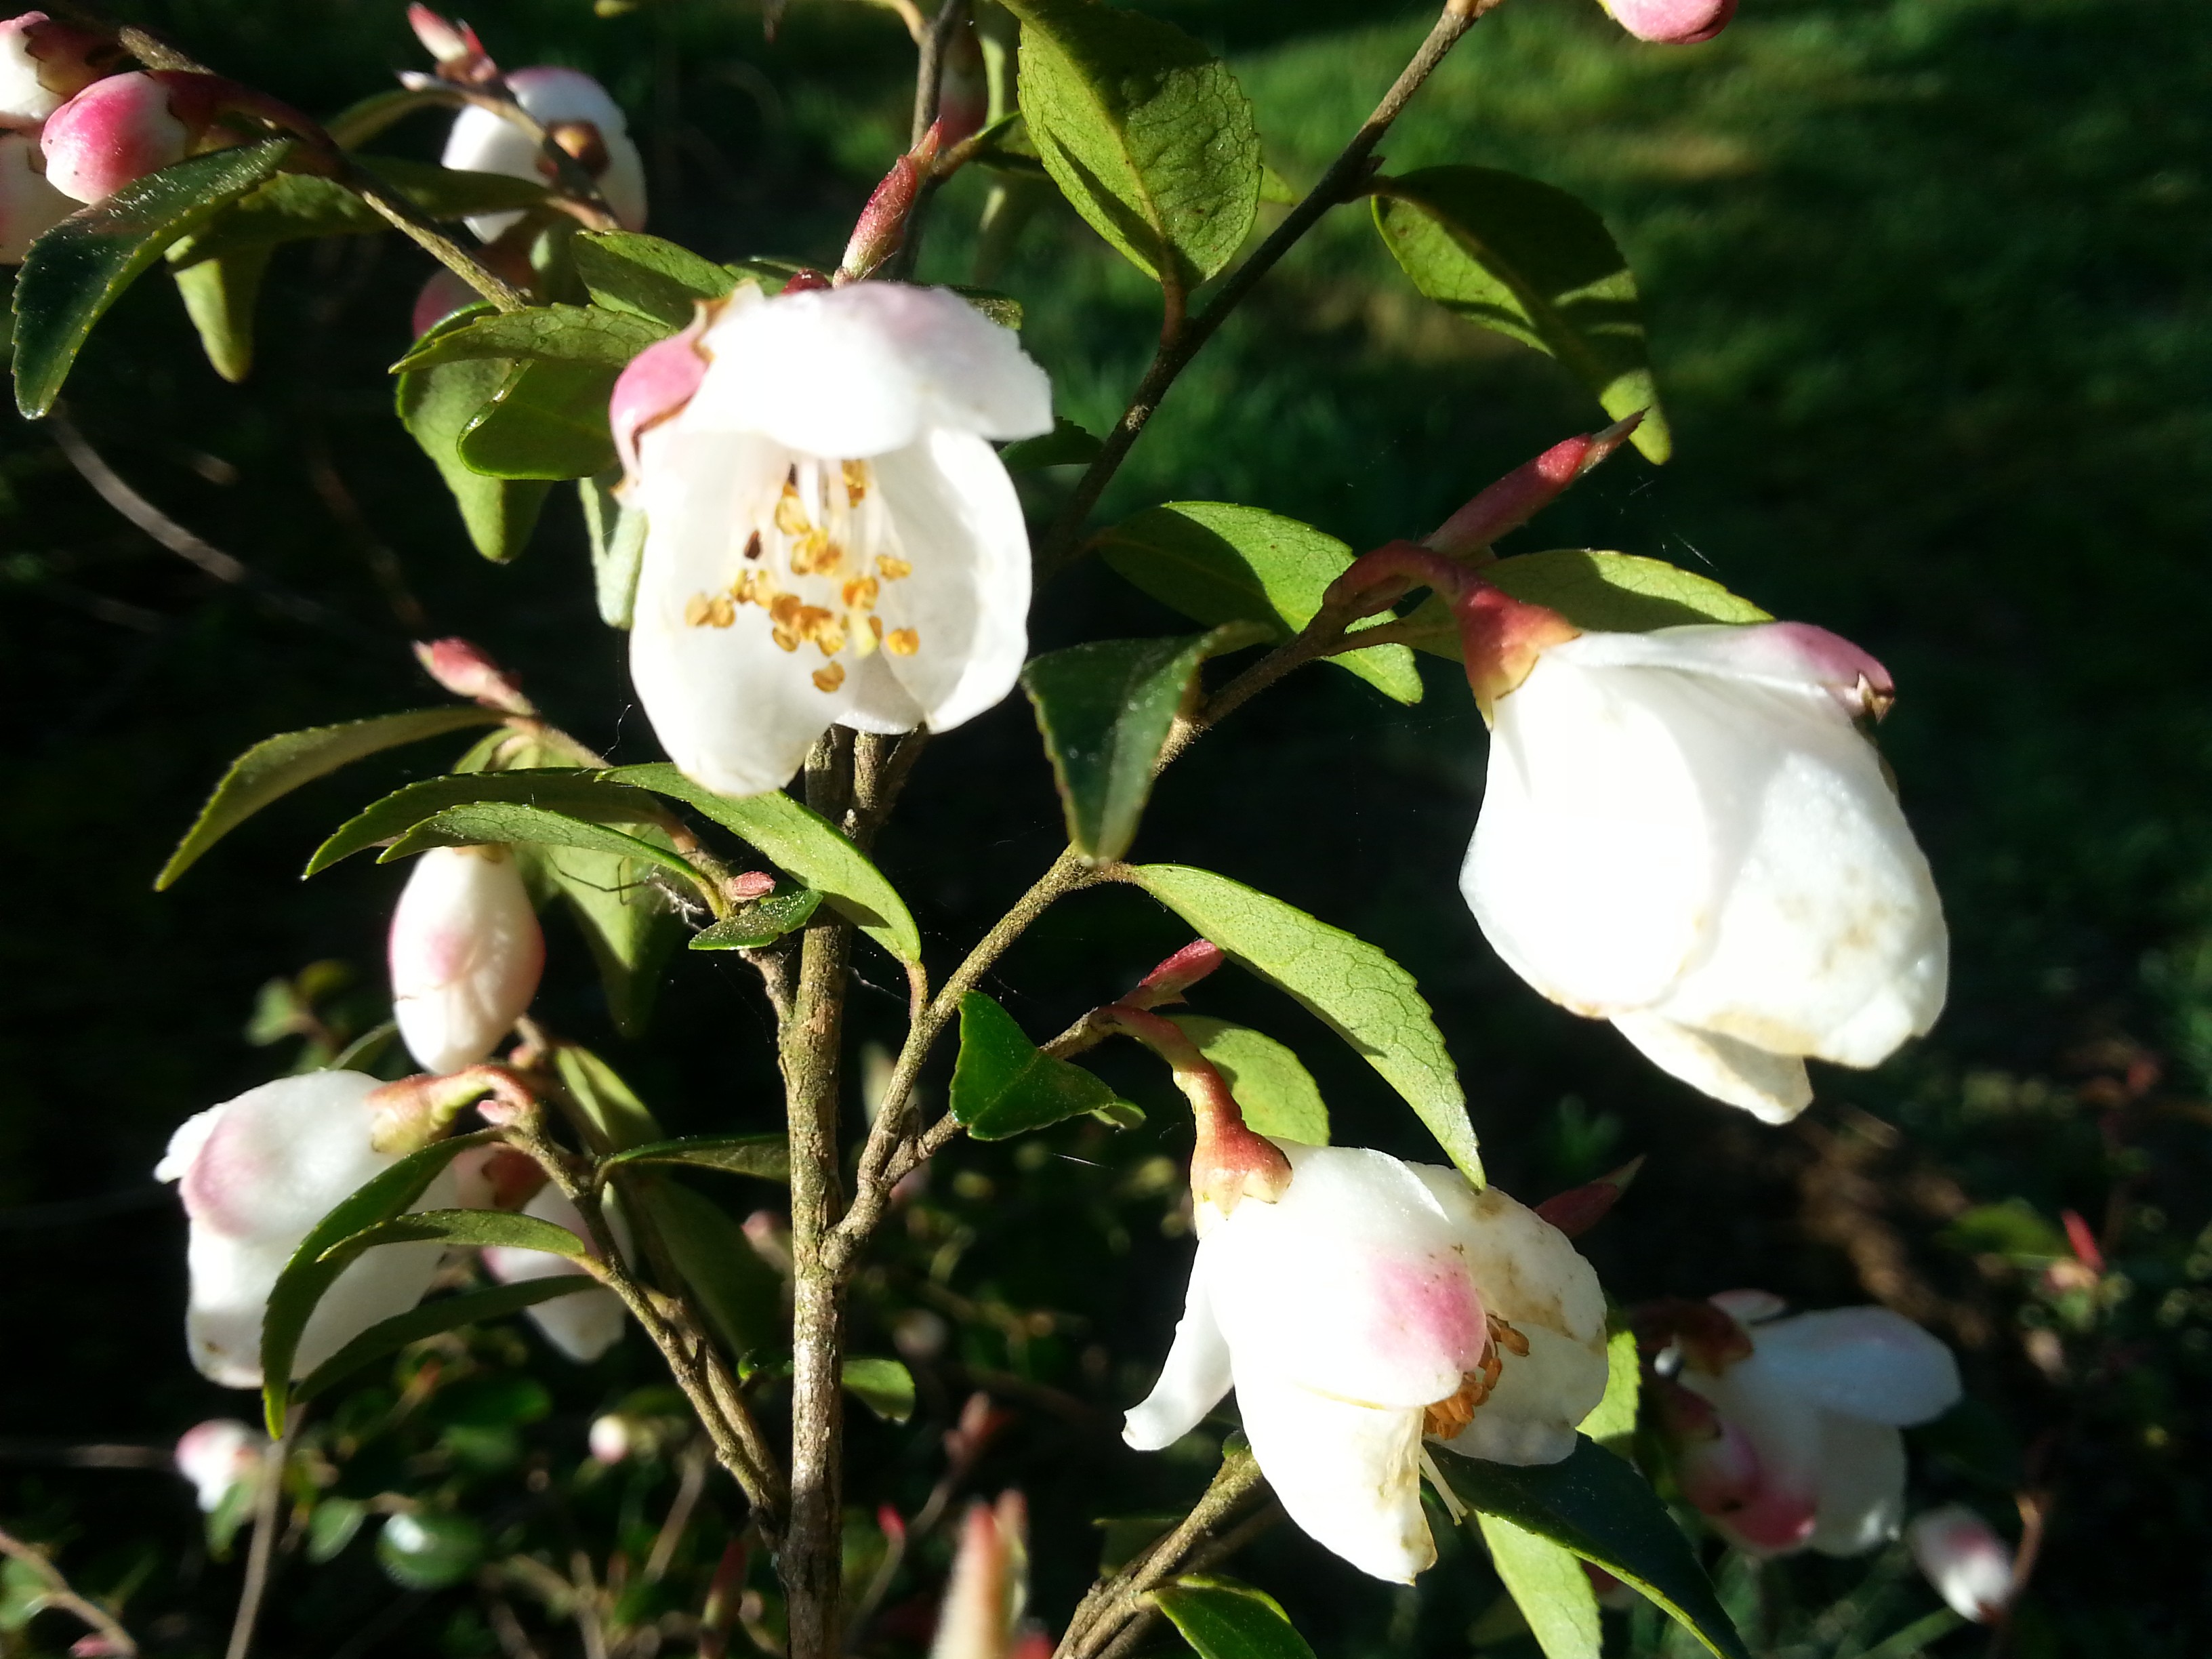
(1683, 832)
(218, 1455)
(1813, 1413)
(1969, 1566)
(465, 953)
(580, 117)
(829, 537)
(256, 1175)
(582, 1325)
(1374, 1302)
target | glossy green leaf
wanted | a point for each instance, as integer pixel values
(1547, 1582)
(645, 276)
(1612, 1423)
(615, 1117)
(1147, 133)
(296, 206)
(1003, 1086)
(1596, 1505)
(389, 1336)
(1066, 445)
(219, 296)
(803, 844)
(1535, 265)
(617, 537)
(1606, 592)
(488, 822)
(473, 1229)
(307, 1274)
(77, 270)
(547, 419)
(588, 334)
(761, 923)
(559, 789)
(740, 1295)
(276, 766)
(768, 1156)
(1276, 1093)
(1219, 563)
(437, 405)
(429, 1552)
(1365, 997)
(1225, 1620)
(884, 1385)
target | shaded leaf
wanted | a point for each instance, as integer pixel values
(1276, 1093)
(547, 419)
(472, 1228)
(1547, 1582)
(1225, 1620)
(647, 277)
(488, 822)
(437, 405)
(589, 335)
(766, 1156)
(1535, 265)
(1066, 445)
(617, 535)
(884, 1385)
(333, 1524)
(219, 296)
(562, 789)
(629, 922)
(1003, 1085)
(389, 1336)
(761, 923)
(276, 766)
(617, 1118)
(296, 206)
(1363, 996)
(740, 1295)
(420, 1552)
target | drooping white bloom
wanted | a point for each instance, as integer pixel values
(1969, 1566)
(583, 1325)
(1683, 832)
(29, 206)
(465, 951)
(580, 117)
(1810, 1420)
(217, 1456)
(829, 537)
(256, 1174)
(1374, 1302)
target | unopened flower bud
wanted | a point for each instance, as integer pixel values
(990, 1583)
(463, 669)
(29, 206)
(963, 90)
(125, 126)
(564, 101)
(1672, 22)
(217, 1456)
(882, 226)
(495, 1178)
(584, 1325)
(465, 953)
(459, 54)
(918, 1334)
(1970, 1567)
(613, 1437)
(44, 64)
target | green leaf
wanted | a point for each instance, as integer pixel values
(741, 1295)
(1220, 563)
(630, 924)
(616, 1117)
(617, 535)
(296, 206)
(1004, 1085)
(1612, 1423)
(1546, 1580)
(1535, 265)
(802, 843)
(77, 270)
(1605, 592)
(308, 1276)
(647, 277)
(1003, 309)
(1273, 1087)
(276, 766)
(1225, 1620)
(1147, 133)
(488, 822)
(1363, 996)
(547, 419)
(1105, 710)
(437, 405)
(219, 296)
(389, 1336)
(562, 789)
(469, 1228)
(767, 1156)
(884, 1385)
(1594, 1504)
(761, 923)
(1066, 445)
(572, 334)
(429, 1552)
(332, 1525)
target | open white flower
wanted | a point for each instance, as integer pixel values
(1812, 1416)
(580, 116)
(256, 1174)
(465, 953)
(1373, 1302)
(1683, 832)
(582, 1325)
(829, 537)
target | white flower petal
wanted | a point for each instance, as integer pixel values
(1192, 1381)
(482, 141)
(1772, 1087)
(1785, 1428)
(582, 1326)
(465, 953)
(1866, 1363)
(1349, 1475)
(1861, 1483)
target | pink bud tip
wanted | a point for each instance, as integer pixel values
(1578, 1209)
(1672, 22)
(115, 130)
(891, 1523)
(442, 295)
(44, 63)
(1167, 982)
(806, 282)
(611, 1437)
(1969, 1566)
(463, 669)
(660, 380)
(460, 55)
(1527, 490)
(2084, 1242)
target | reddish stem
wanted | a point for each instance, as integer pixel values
(1229, 1163)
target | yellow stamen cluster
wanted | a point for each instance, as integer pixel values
(1448, 1416)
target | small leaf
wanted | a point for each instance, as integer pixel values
(562, 789)
(429, 1552)
(78, 269)
(297, 206)
(1225, 1620)
(1277, 1094)
(803, 844)
(1594, 1504)
(276, 766)
(332, 1525)
(768, 1156)
(547, 419)
(617, 1118)
(647, 277)
(471, 1228)
(389, 1336)
(884, 1385)
(1612, 1423)
(1605, 592)
(1147, 133)
(1547, 1582)
(761, 923)
(617, 533)
(219, 296)
(1066, 445)
(741, 1295)
(1362, 994)
(1535, 265)
(436, 406)
(498, 822)
(628, 923)
(1220, 563)
(1003, 1086)
(589, 335)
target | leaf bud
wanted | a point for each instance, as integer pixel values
(44, 64)
(1672, 22)
(881, 229)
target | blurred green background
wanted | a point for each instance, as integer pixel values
(1927, 283)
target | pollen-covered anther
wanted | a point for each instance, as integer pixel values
(1445, 1419)
(860, 593)
(856, 483)
(892, 567)
(1503, 1336)
(709, 611)
(902, 641)
(829, 678)
(790, 513)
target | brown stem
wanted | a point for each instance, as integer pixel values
(58, 1594)
(1343, 181)
(929, 68)
(267, 1500)
(1112, 1604)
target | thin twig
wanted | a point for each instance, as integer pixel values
(267, 1499)
(60, 1595)
(929, 68)
(690, 1484)
(1111, 1603)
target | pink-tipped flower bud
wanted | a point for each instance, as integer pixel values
(658, 383)
(441, 296)
(1167, 982)
(128, 125)
(1672, 22)
(983, 1604)
(465, 953)
(881, 229)
(1527, 490)
(463, 669)
(217, 1456)
(44, 64)
(459, 54)
(613, 1437)
(1578, 1209)
(29, 206)
(1970, 1567)
(580, 116)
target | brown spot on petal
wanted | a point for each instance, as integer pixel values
(753, 545)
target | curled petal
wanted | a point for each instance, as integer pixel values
(1193, 1380)
(1772, 1088)
(1349, 1475)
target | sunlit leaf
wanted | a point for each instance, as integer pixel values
(1276, 1093)
(884, 1385)
(1225, 1620)
(489, 823)
(648, 276)
(618, 1119)
(546, 419)
(766, 1156)
(617, 535)
(760, 923)
(437, 406)
(1547, 1582)
(219, 296)
(1004, 1085)
(562, 789)
(588, 334)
